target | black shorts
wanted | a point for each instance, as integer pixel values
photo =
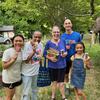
(68, 66)
(57, 74)
(12, 85)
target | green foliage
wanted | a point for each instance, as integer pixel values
(0, 65)
(94, 53)
(28, 15)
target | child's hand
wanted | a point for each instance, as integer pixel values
(86, 59)
(89, 64)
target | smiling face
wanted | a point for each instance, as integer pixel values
(37, 36)
(79, 49)
(68, 25)
(18, 43)
(55, 33)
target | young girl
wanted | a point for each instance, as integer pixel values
(81, 61)
(11, 62)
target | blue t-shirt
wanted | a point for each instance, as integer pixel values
(70, 40)
(61, 61)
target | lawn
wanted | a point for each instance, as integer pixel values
(92, 84)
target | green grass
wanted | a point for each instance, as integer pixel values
(92, 85)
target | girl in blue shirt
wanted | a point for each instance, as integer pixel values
(56, 61)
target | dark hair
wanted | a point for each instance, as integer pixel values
(36, 31)
(82, 45)
(18, 35)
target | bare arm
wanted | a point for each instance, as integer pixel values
(30, 56)
(7, 64)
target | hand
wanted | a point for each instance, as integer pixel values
(89, 64)
(53, 59)
(39, 56)
(14, 57)
(86, 59)
(67, 47)
(72, 41)
(35, 44)
(64, 54)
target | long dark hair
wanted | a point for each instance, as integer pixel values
(82, 45)
(18, 35)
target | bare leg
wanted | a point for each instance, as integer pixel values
(9, 93)
(76, 94)
(81, 93)
(18, 91)
(84, 96)
(66, 80)
(54, 87)
(62, 89)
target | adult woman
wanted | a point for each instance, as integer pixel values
(55, 52)
(30, 67)
(11, 62)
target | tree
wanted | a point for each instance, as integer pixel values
(30, 15)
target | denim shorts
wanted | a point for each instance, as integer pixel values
(12, 85)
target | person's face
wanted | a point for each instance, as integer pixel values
(55, 33)
(37, 37)
(79, 48)
(67, 25)
(18, 43)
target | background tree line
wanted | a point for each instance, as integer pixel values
(29, 15)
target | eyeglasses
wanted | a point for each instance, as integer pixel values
(57, 35)
(56, 32)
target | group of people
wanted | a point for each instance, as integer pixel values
(21, 63)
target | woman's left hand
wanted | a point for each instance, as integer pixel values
(64, 54)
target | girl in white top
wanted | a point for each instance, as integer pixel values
(11, 62)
